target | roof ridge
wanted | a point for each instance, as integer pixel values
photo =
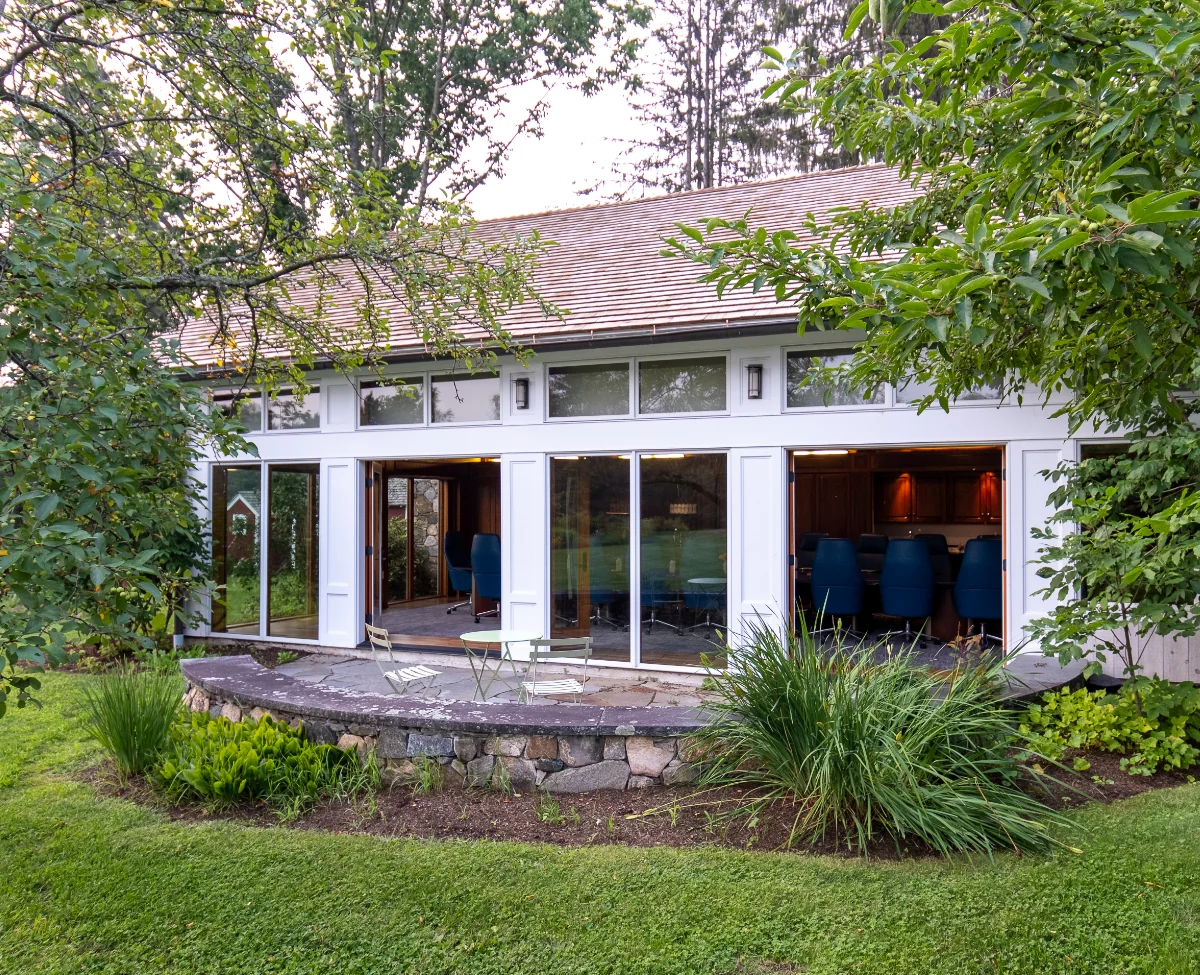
(703, 191)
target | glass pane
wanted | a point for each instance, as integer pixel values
(237, 503)
(247, 407)
(913, 391)
(380, 404)
(589, 552)
(292, 551)
(397, 538)
(289, 413)
(681, 386)
(589, 390)
(426, 499)
(683, 558)
(801, 365)
(466, 400)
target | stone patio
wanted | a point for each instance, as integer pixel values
(456, 683)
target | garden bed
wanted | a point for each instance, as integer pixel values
(678, 817)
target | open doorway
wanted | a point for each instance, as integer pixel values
(433, 530)
(944, 508)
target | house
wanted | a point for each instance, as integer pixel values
(657, 474)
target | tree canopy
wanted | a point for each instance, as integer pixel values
(161, 163)
(1050, 252)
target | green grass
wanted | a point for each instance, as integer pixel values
(98, 885)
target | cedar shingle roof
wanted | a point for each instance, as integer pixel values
(606, 269)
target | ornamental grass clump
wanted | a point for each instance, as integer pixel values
(130, 712)
(219, 762)
(866, 750)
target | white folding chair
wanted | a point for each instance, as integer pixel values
(402, 678)
(574, 648)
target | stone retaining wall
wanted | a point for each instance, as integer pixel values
(554, 761)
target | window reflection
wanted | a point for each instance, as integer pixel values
(589, 552)
(292, 411)
(682, 386)
(237, 505)
(382, 403)
(246, 407)
(592, 390)
(292, 551)
(683, 558)
(913, 391)
(807, 388)
(459, 399)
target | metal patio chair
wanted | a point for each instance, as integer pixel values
(548, 651)
(402, 678)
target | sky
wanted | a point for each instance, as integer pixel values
(583, 138)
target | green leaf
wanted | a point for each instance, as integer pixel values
(1031, 283)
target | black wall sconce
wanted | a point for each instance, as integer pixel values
(521, 394)
(754, 377)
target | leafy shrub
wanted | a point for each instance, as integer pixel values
(130, 713)
(1163, 733)
(220, 762)
(867, 750)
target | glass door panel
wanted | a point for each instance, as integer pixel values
(237, 505)
(292, 551)
(683, 558)
(589, 552)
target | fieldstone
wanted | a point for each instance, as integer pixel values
(588, 778)
(548, 764)
(521, 773)
(680, 773)
(457, 770)
(539, 777)
(614, 749)
(542, 746)
(647, 756)
(479, 771)
(434, 745)
(466, 749)
(321, 733)
(510, 746)
(579, 750)
(393, 743)
(214, 710)
(257, 714)
(231, 711)
(396, 772)
(641, 782)
(357, 742)
(199, 700)
(363, 730)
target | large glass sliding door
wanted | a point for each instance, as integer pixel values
(589, 552)
(276, 581)
(684, 565)
(237, 552)
(292, 551)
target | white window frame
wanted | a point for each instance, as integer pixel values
(263, 399)
(268, 400)
(426, 418)
(636, 387)
(631, 398)
(817, 352)
(429, 381)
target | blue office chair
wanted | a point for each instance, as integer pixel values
(807, 549)
(702, 571)
(458, 566)
(608, 570)
(871, 551)
(485, 570)
(837, 583)
(978, 591)
(906, 585)
(657, 591)
(939, 555)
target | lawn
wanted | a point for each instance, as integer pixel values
(92, 884)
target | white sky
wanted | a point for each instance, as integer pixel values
(582, 141)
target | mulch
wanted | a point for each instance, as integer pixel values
(663, 817)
